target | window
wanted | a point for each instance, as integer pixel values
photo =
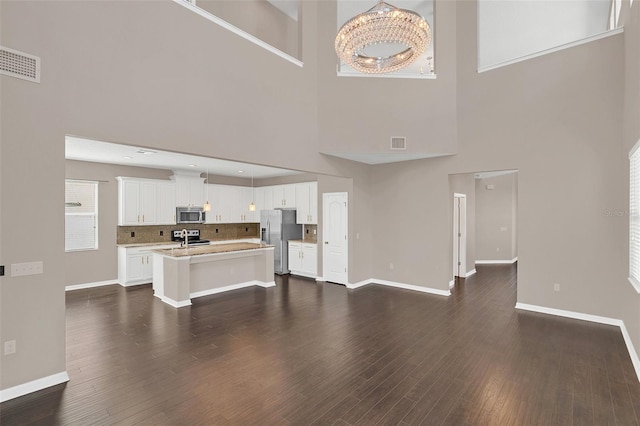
(81, 215)
(634, 216)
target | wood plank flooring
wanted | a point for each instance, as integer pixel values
(313, 353)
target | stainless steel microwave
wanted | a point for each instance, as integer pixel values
(190, 215)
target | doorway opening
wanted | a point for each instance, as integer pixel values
(459, 235)
(483, 220)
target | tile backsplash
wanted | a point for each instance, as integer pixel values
(162, 233)
(310, 233)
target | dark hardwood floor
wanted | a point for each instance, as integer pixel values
(313, 353)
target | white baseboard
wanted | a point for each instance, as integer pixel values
(360, 283)
(469, 273)
(635, 360)
(452, 283)
(320, 279)
(90, 285)
(231, 287)
(496, 262)
(33, 386)
(401, 285)
(174, 303)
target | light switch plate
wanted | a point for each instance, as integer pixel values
(26, 268)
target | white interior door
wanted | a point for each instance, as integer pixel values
(335, 253)
(459, 235)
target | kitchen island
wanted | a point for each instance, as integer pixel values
(181, 274)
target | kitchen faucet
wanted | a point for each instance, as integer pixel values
(184, 235)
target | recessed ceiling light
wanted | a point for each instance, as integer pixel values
(126, 157)
(192, 165)
(145, 151)
(240, 171)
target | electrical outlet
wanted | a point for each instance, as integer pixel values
(10, 347)
(497, 249)
(556, 287)
(161, 233)
(391, 266)
(27, 268)
(357, 235)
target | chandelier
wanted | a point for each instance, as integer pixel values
(383, 39)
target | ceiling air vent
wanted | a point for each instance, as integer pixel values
(19, 65)
(398, 142)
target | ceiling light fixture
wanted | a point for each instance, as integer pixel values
(383, 39)
(252, 205)
(145, 151)
(206, 207)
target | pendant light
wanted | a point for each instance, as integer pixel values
(252, 206)
(206, 207)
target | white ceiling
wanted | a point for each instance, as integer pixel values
(112, 153)
(383, 157)
(485, 175)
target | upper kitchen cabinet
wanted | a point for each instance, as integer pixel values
(263, 198)
(284, 196)
(307, 203)
(219, 196)
(137, 201)
(166, 203)
(230, 204)
(190, 189)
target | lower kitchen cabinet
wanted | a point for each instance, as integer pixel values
(303, 259)
(135, 264)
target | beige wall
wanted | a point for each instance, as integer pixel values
(496, 230)
(131, 78)
(630, 306)
(91, 266)
(260, 19)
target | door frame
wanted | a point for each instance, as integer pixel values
(459, 235)
(325, 232)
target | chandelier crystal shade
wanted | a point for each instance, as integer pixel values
(383, 24)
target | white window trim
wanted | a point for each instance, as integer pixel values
(189, 4)
(634, 213)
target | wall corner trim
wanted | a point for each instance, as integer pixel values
(91, 285)
(452, 283)
(635, 360)
(33, 386)
(497, 262)
(401, 285)
(469, 273)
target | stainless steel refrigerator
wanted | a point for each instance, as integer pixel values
(277, 227)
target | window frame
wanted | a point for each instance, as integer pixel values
(95, 214)
(634, 216)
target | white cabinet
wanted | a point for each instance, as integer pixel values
(166, 203)
(263, 199)
(135, 264)
(284, 196)
(230, 204)
(136, 201)
(303, 259)
(190, 190)
(307, 203)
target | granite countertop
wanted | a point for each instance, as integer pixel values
(210, 249)
(161, 243)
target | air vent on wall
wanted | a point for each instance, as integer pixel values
(398, 142)
(20, 65)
